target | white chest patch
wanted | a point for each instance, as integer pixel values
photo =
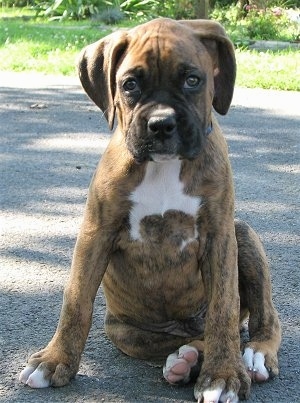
(161, 190)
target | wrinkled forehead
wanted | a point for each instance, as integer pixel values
(163, 46)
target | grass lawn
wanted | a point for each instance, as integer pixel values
(270, 69)
(50, 48)
(28, 44)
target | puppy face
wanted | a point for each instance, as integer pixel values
(162, 79)
(165, 85)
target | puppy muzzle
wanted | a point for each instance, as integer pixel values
(163, 135)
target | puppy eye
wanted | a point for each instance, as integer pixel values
(130, 85)
(192, 82)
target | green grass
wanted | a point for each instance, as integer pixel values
(270, 69)
(51, 48)
(28, 44)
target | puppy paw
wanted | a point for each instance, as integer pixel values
(179, 364)
(217, 395)
(260, 365)
(34, 377)
(226, 385)
(48, 367)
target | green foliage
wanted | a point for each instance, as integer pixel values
(137, 9)
(182, 9)
(66, 9)
(255, 24)
(110, 15)
(15, 3)
(263, 25)
(146, 9)
(110, 11)
(282, 3)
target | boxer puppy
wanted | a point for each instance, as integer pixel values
(179, 275)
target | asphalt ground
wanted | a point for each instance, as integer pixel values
(51, 139)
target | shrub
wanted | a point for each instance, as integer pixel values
(137, 9)
(110, 16)
(263, 24)
(256, 24)
(66, 9)
(182, 9)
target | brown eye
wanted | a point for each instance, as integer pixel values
(192, 82)
(130, 85)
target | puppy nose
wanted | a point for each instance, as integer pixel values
(162, 126)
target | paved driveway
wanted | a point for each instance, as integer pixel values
(51, 138)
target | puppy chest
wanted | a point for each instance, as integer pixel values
(162, 213)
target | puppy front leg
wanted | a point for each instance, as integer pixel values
(56, 364)
(223, 376)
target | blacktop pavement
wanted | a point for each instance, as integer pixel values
(51, 139)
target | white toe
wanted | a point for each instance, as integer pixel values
(229, 397)
(171, 360)
(259, 364)
(24, 375)
(255, 362)
(212, 396)
(190, 354)
(248, 358)
(187, 349)
(37, 380)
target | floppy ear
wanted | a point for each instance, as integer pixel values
(97, 65)
(214, 37)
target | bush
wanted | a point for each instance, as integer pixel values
(136, 9)
(182, 9)
(262, 25)
(16, 3)
(66, 9)
(112, 11)
(106, 10)
(110, 16)
(256, 24)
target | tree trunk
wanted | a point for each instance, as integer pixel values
(201, 9)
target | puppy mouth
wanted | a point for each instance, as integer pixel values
(153, 150)
(164, 157)
(155, 157)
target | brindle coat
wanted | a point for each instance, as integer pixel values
(186, 278)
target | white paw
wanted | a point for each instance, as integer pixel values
(217, 395)
(255, 365)
(178, 365)
(35, 378)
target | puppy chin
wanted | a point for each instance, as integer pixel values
(163, 157)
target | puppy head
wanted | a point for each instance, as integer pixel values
(162, 78)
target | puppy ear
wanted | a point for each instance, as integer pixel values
(221, 49)
(97, 64)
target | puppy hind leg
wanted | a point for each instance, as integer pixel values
(260, 354)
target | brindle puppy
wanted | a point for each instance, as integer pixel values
(179, 275)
